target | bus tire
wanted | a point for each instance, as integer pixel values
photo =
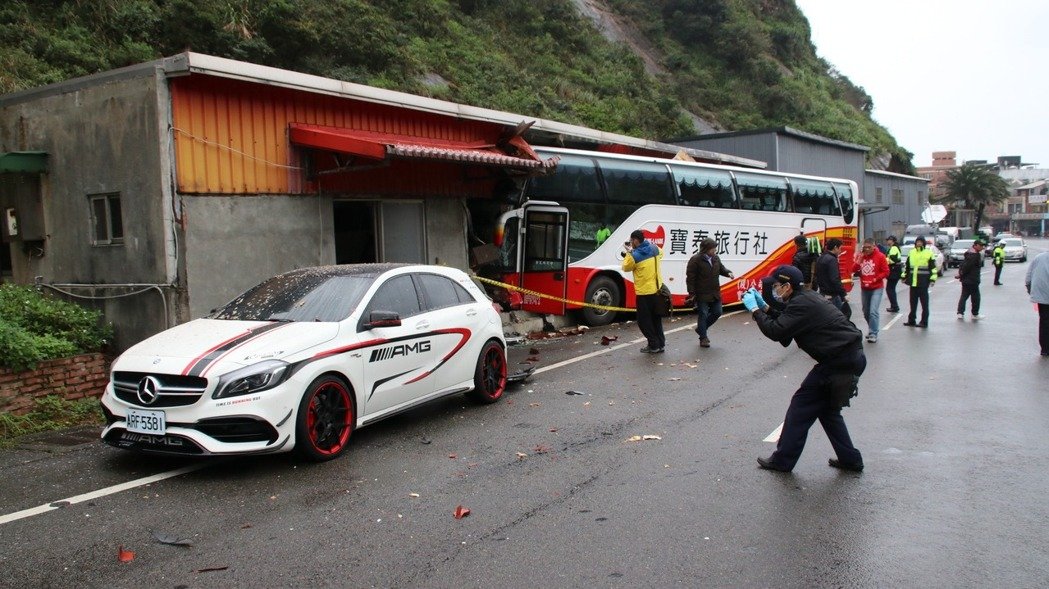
(601, 291)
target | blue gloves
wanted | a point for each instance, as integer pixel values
(750, 301)
(753, 301)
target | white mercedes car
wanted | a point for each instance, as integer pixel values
(304, 358)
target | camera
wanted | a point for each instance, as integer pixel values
(626, 243)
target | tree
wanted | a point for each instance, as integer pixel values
(975, 185)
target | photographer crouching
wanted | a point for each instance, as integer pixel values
(821, 331)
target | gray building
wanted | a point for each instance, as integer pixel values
(889, 201)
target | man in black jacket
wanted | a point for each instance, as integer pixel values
(969, 276)
(803, 259)
(704, 287)
(834, 342)
(828, 273)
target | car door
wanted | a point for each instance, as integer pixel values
(399, 359)
(457, 322)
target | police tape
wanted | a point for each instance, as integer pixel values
(553, 298)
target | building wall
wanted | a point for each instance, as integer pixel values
(108, 137)
(894, 220)
(799, 156)
(446, 233)
(761, 147)
(233, 243)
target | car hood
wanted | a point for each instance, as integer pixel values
(211, 346)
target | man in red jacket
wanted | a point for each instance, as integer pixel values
(873, 269)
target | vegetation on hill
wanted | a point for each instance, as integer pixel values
(35, 327)
(736, 64)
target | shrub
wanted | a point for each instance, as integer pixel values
(49, 413)
(35, 327)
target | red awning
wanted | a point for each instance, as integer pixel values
(512, 153)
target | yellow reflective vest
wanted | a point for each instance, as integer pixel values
(920, 267)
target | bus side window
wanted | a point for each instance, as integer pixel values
(639, 183)
(814, 198)
(575, 179)
(846, 201)
(700, 187)
(762, 193)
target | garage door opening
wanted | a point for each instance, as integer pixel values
(355, 239)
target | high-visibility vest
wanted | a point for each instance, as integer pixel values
(920, 263)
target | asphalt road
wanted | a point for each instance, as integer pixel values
(951, 422)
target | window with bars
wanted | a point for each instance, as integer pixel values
(897, 196)
(107, 228)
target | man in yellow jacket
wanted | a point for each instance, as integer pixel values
(642, 258)
(919, 271)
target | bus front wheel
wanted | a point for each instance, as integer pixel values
(602, 291)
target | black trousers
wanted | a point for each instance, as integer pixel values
(973, 291)
(890, 289)
(812, 401)
(651, 324)
(1043, 327)
(998, 273)
(919, 294)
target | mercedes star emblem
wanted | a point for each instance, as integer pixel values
(148, 389)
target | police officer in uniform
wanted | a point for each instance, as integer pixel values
(822, 332)
(920, 273)
(999, 261)
(893, 255)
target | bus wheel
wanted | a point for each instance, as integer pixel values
(601, 291)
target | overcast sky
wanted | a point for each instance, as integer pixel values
(946, 75)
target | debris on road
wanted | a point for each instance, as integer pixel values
(461, 512)
(171, 539)
(124, 555)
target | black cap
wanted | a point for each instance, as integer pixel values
(637, 234)
(800, 241)
(788, 274)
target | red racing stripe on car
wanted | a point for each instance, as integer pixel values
(198, 365)
(349, 348)
(465, 333)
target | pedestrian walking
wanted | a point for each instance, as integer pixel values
(704, 287)
(1037, 283)
(822, 332)
(804, 259)
(873, 269)
(893, 256)
(919, 270)
(642, 257)
(969, 276)
(998, 255)
(828, 273)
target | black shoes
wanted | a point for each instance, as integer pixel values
(923, 325)
(648, 350)
(768, 464)
(892, 310)
(835, 463)
(704, 342)
(910, 324)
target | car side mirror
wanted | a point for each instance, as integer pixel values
(382, 319)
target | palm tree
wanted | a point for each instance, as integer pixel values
(976, 186)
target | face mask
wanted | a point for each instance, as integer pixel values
(776, 296)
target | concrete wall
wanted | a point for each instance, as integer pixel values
(446, 233)
(233, 243)
(106, 137)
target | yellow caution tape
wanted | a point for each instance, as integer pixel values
(553, 298)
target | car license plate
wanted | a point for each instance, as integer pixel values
(146, 422)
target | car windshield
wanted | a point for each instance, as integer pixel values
(1013, 243)
(298, 296)
(962, 244)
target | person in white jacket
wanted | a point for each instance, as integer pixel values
(1038, 287)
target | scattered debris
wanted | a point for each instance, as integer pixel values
(673, 378)
(553, 429)
(540, 449)
(124, 555)
(607, 339)
(413, 495)
(211, 569)
(461, 512)
(452, 456)
(575, 393)
(533, 351)
(171, 539)
(643, 438)
(425, 441)
(521, 456)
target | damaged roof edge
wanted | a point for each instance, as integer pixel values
(188, 63)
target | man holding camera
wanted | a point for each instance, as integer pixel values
(642, 258)
(822, 332)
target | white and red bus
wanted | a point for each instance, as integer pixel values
(565, 239)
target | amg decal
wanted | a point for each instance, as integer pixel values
(128, 438)
(380, 354)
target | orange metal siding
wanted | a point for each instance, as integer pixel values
(231, 137)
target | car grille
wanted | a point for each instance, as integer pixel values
(174, 390)
(233, 430)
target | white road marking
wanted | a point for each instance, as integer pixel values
(774, 436)
(59, 504)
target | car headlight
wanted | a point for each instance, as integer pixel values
(252, 379)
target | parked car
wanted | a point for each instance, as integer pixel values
(1015, 249)
(956, 253)
(303, 359)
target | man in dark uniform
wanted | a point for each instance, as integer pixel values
(893, 255)
(822, 332)
(803, 259)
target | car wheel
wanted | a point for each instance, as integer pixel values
(325, 419)
(601, 291)
(1023, 259)
(490, 374)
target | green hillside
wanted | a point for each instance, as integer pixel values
(657, 69)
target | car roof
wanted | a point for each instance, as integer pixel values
(362, 270)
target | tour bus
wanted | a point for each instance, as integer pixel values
(563, 244)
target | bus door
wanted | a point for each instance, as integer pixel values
(815, 225)
(544, 257)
